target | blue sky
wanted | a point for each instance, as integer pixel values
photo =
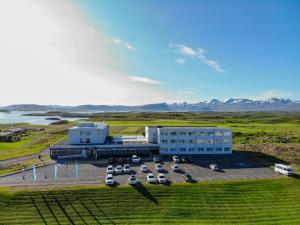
(136, 52)
(206, 49)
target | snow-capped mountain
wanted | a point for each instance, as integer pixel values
(239, 104)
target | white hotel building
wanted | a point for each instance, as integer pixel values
(190, 140)
(92, 140)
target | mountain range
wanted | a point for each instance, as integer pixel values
(226, 105)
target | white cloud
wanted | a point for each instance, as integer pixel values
(199, 53)
(180, 61)
(50, 54)
(271, 94)
(144, 80)
(124, 44)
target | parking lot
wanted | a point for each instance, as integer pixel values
(232, 167)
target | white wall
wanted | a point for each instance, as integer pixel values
(151, 134)
(85, 134)
(201, 140)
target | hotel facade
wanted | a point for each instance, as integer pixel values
(92, 140)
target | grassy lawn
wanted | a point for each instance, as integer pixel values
(274, 201)
(34, 142)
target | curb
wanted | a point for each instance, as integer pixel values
(26, 169)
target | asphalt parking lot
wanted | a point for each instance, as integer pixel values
(232, 167)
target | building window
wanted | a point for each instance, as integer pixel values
(80, 133)
(173, 141)
(210, 133)
(164, 141)
(191, 133)
(200, 141)
(201, 133)
(227, 149)
(218, 141)
(191, 149)
(181, 141)
(209, 149)
(173, 149)
(201, 149)
(218, 149)
(173, 133)
(227, 133)
(218, 133)
(209, 142)
(182, 133)
(182, 149)
(81, 141)
(226, 141)
(191, 141)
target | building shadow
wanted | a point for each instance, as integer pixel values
(38, 210)
(101, 211)
(139, 187)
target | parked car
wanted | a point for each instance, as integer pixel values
(118, 169)
(159, 167)
(109, 180)
(186, 160)
(161, 178)
(136, 159)
(188, 177)
(144, 168)
(150, 178)
(176, 159)
(156, 159)
(110, 169)
(175, 168)
(132, 180)
(213, 167)
(126, 168)
(283, 169)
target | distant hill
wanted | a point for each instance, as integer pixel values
(226, 105)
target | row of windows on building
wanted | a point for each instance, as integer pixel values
(193, 133)
(227, 149)
(86, 132)
(191, 141)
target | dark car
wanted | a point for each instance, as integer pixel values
(188, 177)
(111, 161)
(186, 160)
(156, 159)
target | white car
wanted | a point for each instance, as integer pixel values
(213, 167)
(283, 169)
(176, 159)
(175, 167)
(159, 167)
(109, 180)
(126, 168)
(110, 169)
(161, 178)
(118, 169)
(150, 178)
(132, 180)
(144, 168)
(136, 159)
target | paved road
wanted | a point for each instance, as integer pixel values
(231, 168)
(8, 162)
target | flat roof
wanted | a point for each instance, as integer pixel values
(208, 127)
(90, 125)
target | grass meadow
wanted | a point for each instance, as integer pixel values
(274, 201)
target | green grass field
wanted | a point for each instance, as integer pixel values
(241, 202)
(34, 142)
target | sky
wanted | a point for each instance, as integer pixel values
(132, 52)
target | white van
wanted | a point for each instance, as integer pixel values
(283, 169)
